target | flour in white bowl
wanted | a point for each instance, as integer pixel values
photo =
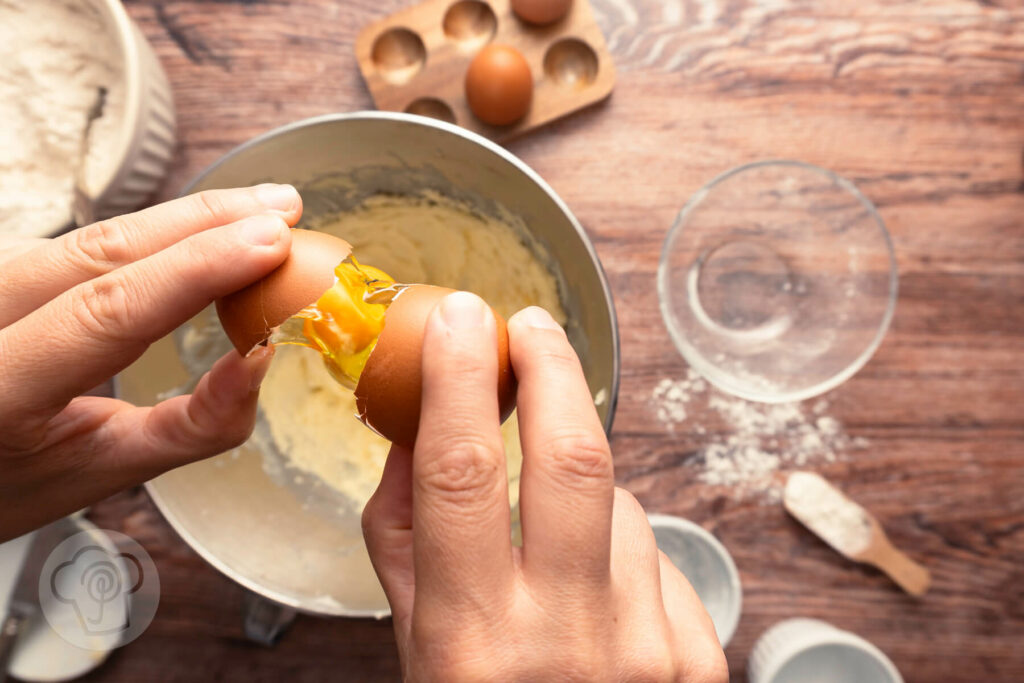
(55, 55)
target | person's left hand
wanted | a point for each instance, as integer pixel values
(77, 309)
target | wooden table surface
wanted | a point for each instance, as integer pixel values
(921, 103)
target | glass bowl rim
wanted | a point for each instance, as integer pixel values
(722, 380)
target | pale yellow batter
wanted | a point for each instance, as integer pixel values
(435, 241)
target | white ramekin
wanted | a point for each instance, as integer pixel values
(146, 141)
(707, 565)
(808, 650)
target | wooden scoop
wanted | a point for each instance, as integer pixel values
(850, 529)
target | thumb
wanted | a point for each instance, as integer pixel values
(387, 529)
(216, 417)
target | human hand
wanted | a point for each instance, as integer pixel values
(77, 309)
(588, 597)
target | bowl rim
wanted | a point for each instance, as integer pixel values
(310, 607)
(56, 668)
(820, 633)
(493, 148)
(721, 380)
(131, 63)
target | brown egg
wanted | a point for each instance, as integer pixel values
(388, 393)
(499, 85)
(388, 390)
(541, 11)
(248, 316)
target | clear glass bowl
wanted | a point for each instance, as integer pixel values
(778, 281)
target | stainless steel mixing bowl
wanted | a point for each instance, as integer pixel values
(233, 512)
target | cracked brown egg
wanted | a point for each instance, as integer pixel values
(368, 329)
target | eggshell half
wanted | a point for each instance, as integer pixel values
(388, 393)
(249, 315)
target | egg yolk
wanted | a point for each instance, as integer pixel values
(345, 322)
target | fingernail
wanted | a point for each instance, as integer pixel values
(262, 231)
(280, 197)
(534, 316)
(463, 310)
(260, 359)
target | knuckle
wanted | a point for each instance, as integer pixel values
(557, 358)
(216, 424)
(211, 203)
(103, 307)
(466, 369)
(580, 455)
(444, 651)
(203, 253)
(586, 665)
(200, 438)
(462, 362)
(708, 665)
(233, 435)
(466, 469)
(651, 662)
(102, 246)
(368, 516)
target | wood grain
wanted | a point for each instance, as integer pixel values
(919, 102)
(558, 91)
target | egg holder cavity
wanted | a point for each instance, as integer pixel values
(416, 60)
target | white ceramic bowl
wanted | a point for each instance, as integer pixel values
(810, 650)
(145, 143)
(707, 565)
(40, 653)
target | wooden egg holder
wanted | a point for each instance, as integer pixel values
(416, 61)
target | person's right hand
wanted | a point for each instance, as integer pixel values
(588, 597)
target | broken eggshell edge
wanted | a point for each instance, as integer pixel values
(250, 315)
(389, 391)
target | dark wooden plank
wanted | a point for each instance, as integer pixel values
(918, 102)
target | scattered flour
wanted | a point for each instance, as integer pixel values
(760, 441)
(56, 54)
(673, 395)
(823, 509)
